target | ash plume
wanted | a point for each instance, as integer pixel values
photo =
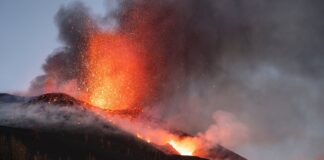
(65, 64)
(259, 60)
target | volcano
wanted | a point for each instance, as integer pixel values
(58, 126)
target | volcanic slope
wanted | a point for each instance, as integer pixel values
(58, 126)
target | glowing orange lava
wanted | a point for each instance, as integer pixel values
(184, 147)
(115, 76)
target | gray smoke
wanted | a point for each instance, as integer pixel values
(66, 63)
(270, 57)
(260, 60)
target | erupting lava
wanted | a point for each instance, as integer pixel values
(115, 77)
(158, 52)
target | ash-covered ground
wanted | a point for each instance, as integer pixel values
(57, 126)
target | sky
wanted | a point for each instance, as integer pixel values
(28, 34)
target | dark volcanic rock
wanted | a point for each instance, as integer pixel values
(59, 99)
(219, 152)
(35, 128)
(28, 144)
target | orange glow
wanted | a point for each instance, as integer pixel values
(184, 147)
(115, 76)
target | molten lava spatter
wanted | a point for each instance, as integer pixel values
(115, 77)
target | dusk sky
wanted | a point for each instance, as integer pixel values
(28, 35)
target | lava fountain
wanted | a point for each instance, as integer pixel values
(115, 78)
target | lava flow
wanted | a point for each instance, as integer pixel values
(184, 147)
